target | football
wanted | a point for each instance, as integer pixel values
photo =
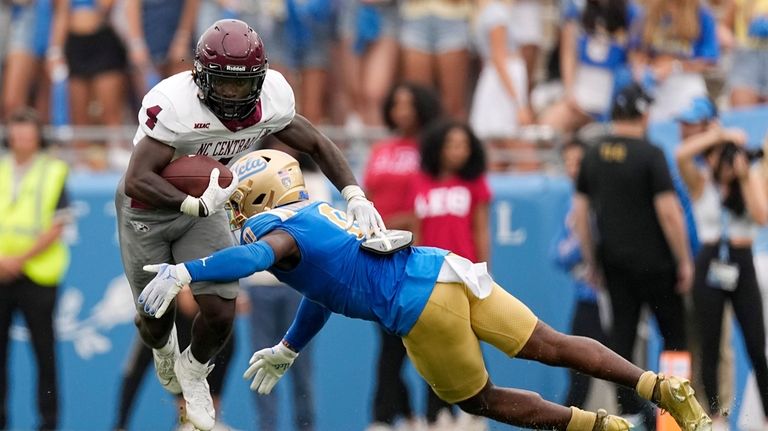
(191, 174)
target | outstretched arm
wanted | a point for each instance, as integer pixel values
(229, 264)
(268, 366)
(310, 319)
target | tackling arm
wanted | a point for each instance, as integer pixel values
(234, 263)
(225, 265)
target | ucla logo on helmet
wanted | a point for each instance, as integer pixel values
(249, 166)
(285, 178)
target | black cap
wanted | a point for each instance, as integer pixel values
(631, 103)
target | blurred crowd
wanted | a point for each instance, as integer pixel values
(457, 88)
(503, 66)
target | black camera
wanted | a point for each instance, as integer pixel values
(730, 150)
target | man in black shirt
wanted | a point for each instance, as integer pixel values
(641, 244)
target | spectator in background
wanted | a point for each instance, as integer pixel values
(25, 82)
(500, 103)
(299, 47)
(33, 258)
(435, 40)
(452, 195)
(594, 46)
(451, 199)
(748, 77)
(729, 201)
(84, 41)
(528, 28)
(675, 45)
(642, 250)
(369, 32)
(140, 358)
(273, 305)
(566, 254)
(161, 39)
(751, 400)
(407, 110)
(701, 115)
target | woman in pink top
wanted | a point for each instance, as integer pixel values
(451, 196)
(408, 108)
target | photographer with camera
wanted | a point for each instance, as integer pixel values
(729, 202)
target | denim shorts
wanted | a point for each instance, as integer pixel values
(749, 70)
(390, 18)
(435, 35)
(314, 55)
(25, 36)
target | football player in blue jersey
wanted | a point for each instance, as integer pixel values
(441, 304)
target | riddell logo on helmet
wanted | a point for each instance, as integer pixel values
(236, 68)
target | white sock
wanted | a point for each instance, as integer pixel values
(170, 345)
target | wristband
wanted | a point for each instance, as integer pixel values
(193, 206)
(352, 191)
(288, 346)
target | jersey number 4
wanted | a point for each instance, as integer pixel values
(152, 116)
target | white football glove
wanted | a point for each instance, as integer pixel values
(213, 198)
(268, 366)
(362, 211)
(161, 291)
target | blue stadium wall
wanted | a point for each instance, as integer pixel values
(95, 330)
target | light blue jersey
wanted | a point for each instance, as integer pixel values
(336, 275)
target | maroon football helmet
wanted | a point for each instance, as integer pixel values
(230, 68)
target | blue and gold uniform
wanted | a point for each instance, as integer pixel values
(406, 292)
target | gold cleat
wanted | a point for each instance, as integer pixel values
(676, 396)
(606, 422)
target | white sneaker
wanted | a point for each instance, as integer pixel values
(197, 395)
(164, 365)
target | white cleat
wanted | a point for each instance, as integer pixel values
(164, 365)
(197, 394)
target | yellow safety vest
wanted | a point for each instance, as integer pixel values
(25, 218)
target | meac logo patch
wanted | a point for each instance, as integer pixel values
(249, 166)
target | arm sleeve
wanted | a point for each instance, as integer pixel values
(231, 264)
(310, 319)
(661, 180)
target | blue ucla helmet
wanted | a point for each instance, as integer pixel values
(268, 179)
